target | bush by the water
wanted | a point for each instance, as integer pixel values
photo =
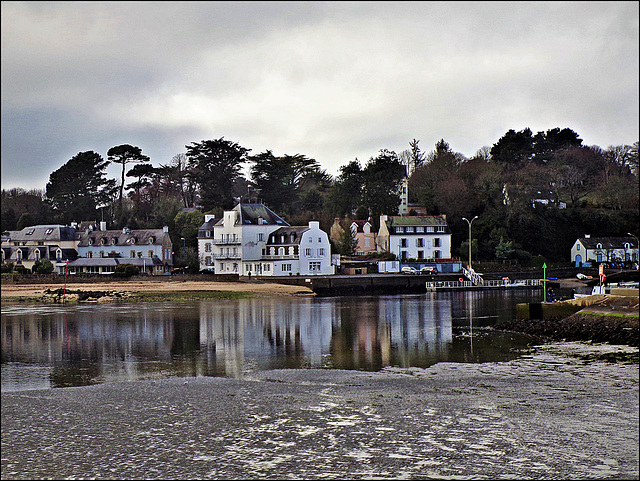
(126, 270)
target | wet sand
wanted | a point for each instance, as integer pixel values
(159, 286)
(546, 415)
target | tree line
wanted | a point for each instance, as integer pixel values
(534, 194)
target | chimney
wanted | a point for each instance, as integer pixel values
(587, 236)
(208, 217)
(165, 229)
(260, 221)
(314, 224)
(103, 225)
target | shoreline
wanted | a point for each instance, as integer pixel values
(131, 290)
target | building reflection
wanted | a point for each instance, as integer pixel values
(93, 344)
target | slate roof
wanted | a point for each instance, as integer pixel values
(292, 235)
(141, 237)
(434, 220)
(608, 242)
(51, 233)
(250, 213)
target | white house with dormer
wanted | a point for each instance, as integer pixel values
(415, 237)
(604, 249)
(251, 239)
(298, 250)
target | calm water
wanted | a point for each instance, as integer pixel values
(55, 346)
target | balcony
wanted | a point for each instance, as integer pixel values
(231, 255)
(230, 241)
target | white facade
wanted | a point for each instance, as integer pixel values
(251, 240)
(604, 249)
(415, 237)
(294, 251)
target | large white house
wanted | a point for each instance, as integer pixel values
(243, 242)
(604, 249)
(415, 237)
(298, 250)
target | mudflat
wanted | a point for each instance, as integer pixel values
(550, 414)
(158, 286)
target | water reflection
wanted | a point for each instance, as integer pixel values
(53, 346)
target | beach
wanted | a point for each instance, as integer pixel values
(550, 414)
(12, 291)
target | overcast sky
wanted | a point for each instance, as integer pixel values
(333, 81)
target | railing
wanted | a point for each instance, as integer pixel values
(226, 256)
(473, 276)
(225, 241)
(503, 283)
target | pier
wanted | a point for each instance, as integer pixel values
(377, 284)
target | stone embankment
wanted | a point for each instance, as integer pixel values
(599, 318)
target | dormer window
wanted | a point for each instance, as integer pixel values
(114, 241)
(102, 242)
(30, 231)
(131, 240)
(598, 246)
(151, 240)
(48, 231)
(90, 241)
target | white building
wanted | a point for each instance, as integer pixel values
(298, 250)
(415, 237)
(235, 243)
(604, 249)
(100, 251)
(242, 243)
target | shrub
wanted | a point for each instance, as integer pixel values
(126, 270)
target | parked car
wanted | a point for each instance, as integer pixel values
(409, 270)
(429, 270)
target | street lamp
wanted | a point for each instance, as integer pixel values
(470, 222)
(183, 243)
(637, 246)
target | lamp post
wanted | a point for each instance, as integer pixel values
(470, 222)
(183, 244)
(637, 246)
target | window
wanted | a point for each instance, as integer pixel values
(436, 242)
(419, 242)
(150, 253)
(48, 231)
(267, 268)
(578, 247)
(314, 266)
(19, 255)
(59, 255)
(102, 254)
(307, 252)
(420, 254)
(30, 231)
(436, 254)
(207, 247)
(281, 251)
(403, 242)
(37, 255)
(207, 261)
(89, 255)
(286, 267)
(321, 252)
(132, 254)
(207, 233)
(261, 237)
(114, 241)
(420, 229)
(409, 229)
(319, 240)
